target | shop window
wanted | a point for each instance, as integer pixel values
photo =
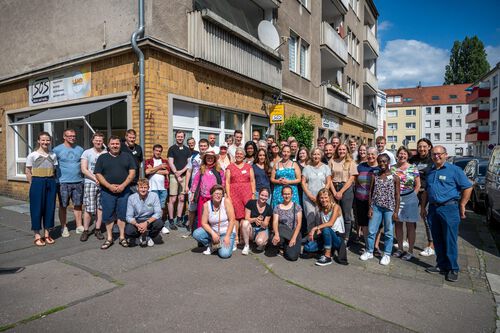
(209, 117)
(233, 120)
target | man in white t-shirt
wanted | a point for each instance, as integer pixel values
(238, 137)
(91, 188)
(380, 142)
(212, 144)
(157, 171)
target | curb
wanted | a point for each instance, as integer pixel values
(494, 282)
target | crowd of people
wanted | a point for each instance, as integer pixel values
(284, 198)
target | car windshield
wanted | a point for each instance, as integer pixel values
(482, 170)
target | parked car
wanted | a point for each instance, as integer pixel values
(493, 187)
(475, 170)
(460, 161)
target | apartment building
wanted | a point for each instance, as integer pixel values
(436, 113)
(483, 119)
(381, 113)
(206, 70)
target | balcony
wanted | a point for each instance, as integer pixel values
(332, 8)
(333, 47)
(478, 92)
(371, 118)
(477, 115)
(217, 41)
(370, 83)
(370, 44)
(478, 133)
(332, 100)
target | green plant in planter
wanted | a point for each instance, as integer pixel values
(301, 127)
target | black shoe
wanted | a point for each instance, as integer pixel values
(143, 241)
(434, 270)
(452, 276)
(98, 234)
(85, 236)
(172, 225)
(324, 261)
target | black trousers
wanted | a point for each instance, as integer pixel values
(153, 229)
(291, 252)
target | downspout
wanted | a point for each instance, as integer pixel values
(139, 33)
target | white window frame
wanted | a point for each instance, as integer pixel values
(458, 122)
(437, 123)
(458, 136)
(392, 138)
(301, 64)
(458, 109)
(449, 122)
(392, 126)
(428, 124)
(412, 113)
(411, 125)
(449, 137)
(389, 113)
(428, 110)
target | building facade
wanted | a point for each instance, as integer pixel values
(381, 113)
(436, 113)
(207, 70)
(483, 119)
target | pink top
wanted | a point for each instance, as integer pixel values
(208, 181)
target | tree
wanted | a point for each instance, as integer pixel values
(302, 128)
(467, 62)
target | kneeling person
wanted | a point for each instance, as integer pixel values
(143, 215)
(258, 214)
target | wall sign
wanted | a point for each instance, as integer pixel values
(329, 121)
(61, 86)
(277, 114)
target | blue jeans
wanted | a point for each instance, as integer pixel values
(444, 221)
(162, 195)
(328, 240)
(379, 214)
(202, 236)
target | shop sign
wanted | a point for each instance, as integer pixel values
(277, 114)
(329, 121)
(61, 86)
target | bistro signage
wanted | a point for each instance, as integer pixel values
(61, 86)
(277, 115)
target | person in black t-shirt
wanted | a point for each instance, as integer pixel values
(114, 171)
(178, 156)
(258, 214)
(129, 146)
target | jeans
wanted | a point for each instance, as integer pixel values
(153, 229)
(444, 221)
(330, 239)
(202, 236)
(379, 214)
(162, 195)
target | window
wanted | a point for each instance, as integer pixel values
(411, 138)
(437, 123)
(411, 112)
(449, 122)
(453, 96)
(304, 59)
(428, 110)
(392, 113)
(437, 110)
(305, 3)
(449, 109)
(392, 126)
(353, 45)
(390, 99)
(458, 109)
(427, 124)
(407, 99)
(298, 55)
(292, 52)
(437, 137)
(392, 138)
(495, 81)
(458, 122)
(494, 104)
(493, 127)
(353, 90)
(411, 125)
(209, 117)
(458, 136)
(428, 136)
(435, 98)
(397, 99)
(448, 137)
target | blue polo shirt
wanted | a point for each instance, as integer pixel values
(446, 184)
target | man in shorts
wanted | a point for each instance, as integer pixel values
(70, 180)
(178, 156)
(193, 168)
(157, 171)
(129, 146)
(114, 171)
(91, 189)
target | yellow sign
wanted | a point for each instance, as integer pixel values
(277, 115)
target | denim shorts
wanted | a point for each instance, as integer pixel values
(67, 191)
(256, 230)
(114, 205)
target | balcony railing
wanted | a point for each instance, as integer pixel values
(478, 133)
(371, 40)
(477, 115)
(215, 40)
(332, 101)
(477, 93)
(335, 44)
(370, 82)
(371, 119)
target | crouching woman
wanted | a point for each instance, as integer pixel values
(217, 224)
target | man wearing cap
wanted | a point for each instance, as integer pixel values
(448, 190)
(224, 159)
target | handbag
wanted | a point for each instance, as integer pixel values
(216, 246)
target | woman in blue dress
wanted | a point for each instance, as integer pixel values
(285, 172)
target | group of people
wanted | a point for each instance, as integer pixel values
(279, 195)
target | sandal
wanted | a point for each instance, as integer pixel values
(49, 240)
(107, 244)
(39, 242)
(123, 242)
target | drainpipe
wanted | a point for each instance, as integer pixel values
(139, 33)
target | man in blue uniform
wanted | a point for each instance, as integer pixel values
(448, 191)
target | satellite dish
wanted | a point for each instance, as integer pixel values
(268, 34)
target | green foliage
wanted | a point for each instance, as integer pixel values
(467, 62)
(302, 128)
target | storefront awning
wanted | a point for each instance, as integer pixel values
(63, 113)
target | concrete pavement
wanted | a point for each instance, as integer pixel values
(76, 286)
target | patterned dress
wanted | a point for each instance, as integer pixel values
(287, 173)
(240, 188)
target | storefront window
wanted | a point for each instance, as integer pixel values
(209, 117)
(27, 134)
(232, 120)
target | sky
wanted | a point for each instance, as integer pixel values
(416, 37)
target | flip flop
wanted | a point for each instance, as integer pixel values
(39, 242)
(49, 240)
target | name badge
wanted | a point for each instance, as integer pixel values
(244, 172)
(389, 177)
(134, 153)
(210, 172)
(181, 148)
(442, 177)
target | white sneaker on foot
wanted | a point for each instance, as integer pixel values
(365, 256)
(165, 230)
(235, 248)
(150, 242)
(245, 250)
(386, 259)
(79, 230)
(427, 252)
(208, 251)
(65, 232)
(405, 244)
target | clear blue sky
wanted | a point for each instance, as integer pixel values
(419, 35)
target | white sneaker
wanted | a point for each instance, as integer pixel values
(365, 256)
(165, 230)
(79, 230)
(385, 260)
(406, 245)
(150, 242)
(235, 248)
(208, 251)
(427, 252)
(65, 232)
(246, 250)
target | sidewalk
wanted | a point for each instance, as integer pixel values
(76, 286)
